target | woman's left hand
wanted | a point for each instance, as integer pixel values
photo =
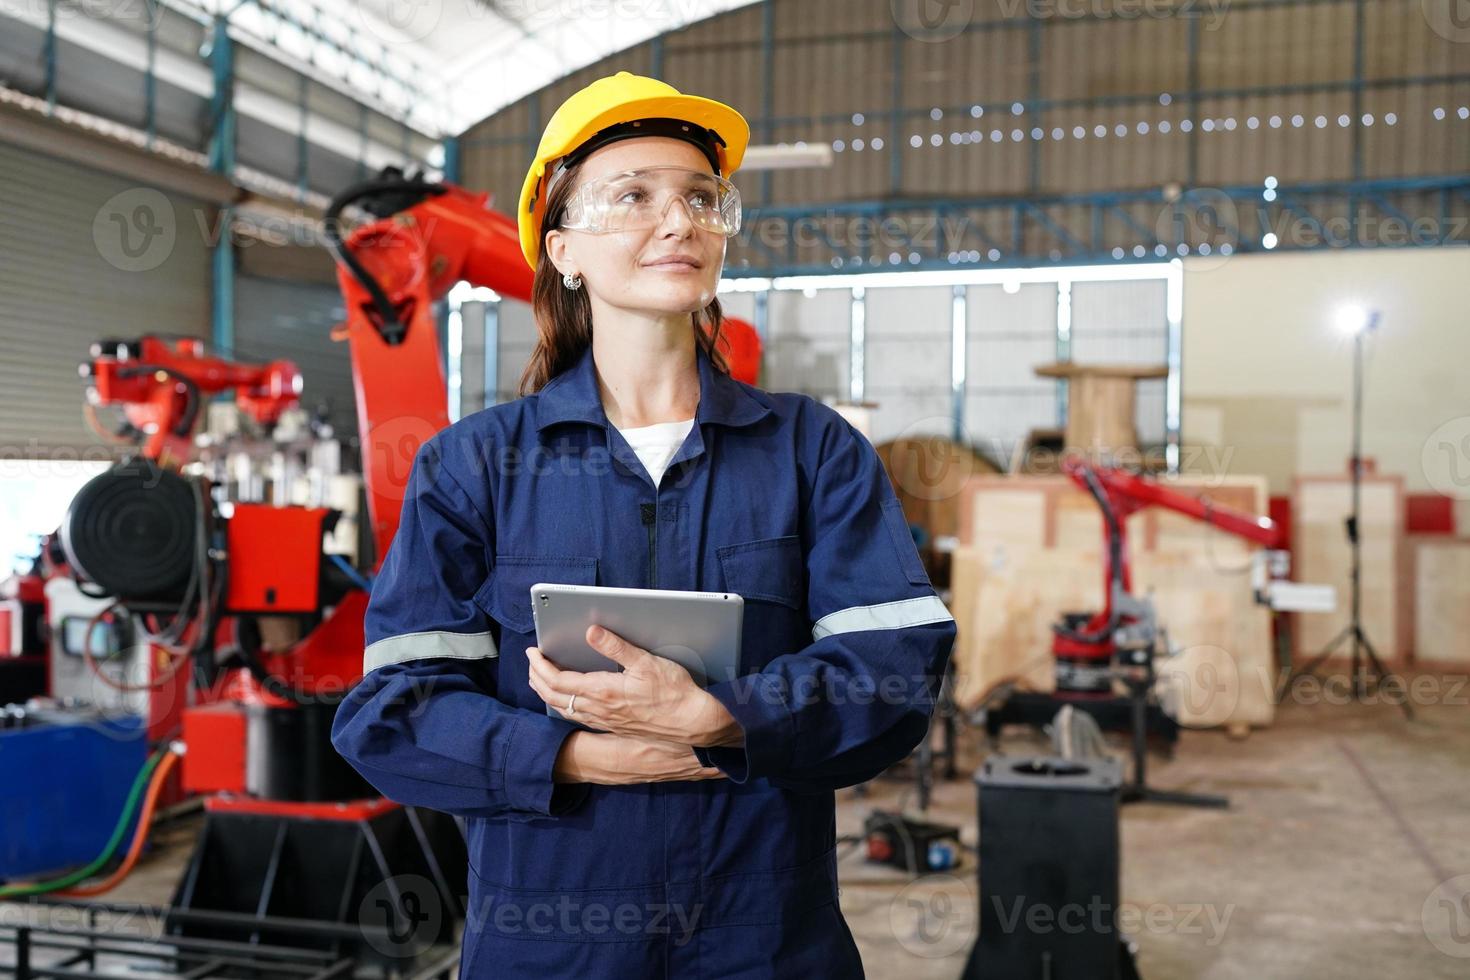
(651, 696)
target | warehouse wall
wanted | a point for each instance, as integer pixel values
(1267, 374)
(281, 319)
(85, 256)
(1094, 98)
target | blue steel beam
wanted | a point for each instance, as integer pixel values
(1108, 227)
(222, 161)
(222, 99)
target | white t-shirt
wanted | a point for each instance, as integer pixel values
(656, 444)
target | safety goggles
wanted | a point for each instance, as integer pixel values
(631, 200)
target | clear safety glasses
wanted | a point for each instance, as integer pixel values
(631, 200)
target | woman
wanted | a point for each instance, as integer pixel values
(692, 834)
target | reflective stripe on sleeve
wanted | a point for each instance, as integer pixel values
(424, 646)
(883, 616)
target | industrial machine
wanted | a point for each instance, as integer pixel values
(1094, 651)
(23, 672)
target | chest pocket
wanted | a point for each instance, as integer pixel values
(506, 594)
(767, 570)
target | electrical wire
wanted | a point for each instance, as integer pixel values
(140, 834)
(130, 806)
(95, 666)
(358, 579)
(118, 437)
(173, 634)
(411, 188)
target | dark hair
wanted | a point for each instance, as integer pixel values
(564, 316)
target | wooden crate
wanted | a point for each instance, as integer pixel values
(1224, 672)
(1004, 603)
(1441, 599)
(1321, 555)
(1033, 550)
(927, 474)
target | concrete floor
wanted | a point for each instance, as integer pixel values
(1344, 822)
(1345, 854)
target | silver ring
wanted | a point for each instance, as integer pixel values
(571, 705)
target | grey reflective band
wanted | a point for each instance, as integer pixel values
(424, 646)
(884, 616)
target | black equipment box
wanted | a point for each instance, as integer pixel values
(1049, 870)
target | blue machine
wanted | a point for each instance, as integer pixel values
(66, 776)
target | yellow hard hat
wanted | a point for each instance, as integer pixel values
(622, 106)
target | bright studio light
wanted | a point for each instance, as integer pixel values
(1354, 319)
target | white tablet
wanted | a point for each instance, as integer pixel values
(699, 630)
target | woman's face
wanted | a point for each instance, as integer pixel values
(619, 268)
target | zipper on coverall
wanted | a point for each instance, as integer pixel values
(649, 513)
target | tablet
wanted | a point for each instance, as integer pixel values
(699, 630)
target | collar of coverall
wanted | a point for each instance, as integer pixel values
(572, 396)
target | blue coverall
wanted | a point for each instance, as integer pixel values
(773, 496)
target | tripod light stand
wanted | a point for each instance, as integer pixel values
(1360, 323)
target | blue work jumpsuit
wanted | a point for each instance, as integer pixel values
(773, 496)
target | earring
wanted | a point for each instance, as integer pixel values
(570, 281)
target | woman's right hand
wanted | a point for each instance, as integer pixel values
(622, 760)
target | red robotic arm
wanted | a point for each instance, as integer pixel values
(426, 238)
(1083, 649)
(1120, 494)
(161, 384)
